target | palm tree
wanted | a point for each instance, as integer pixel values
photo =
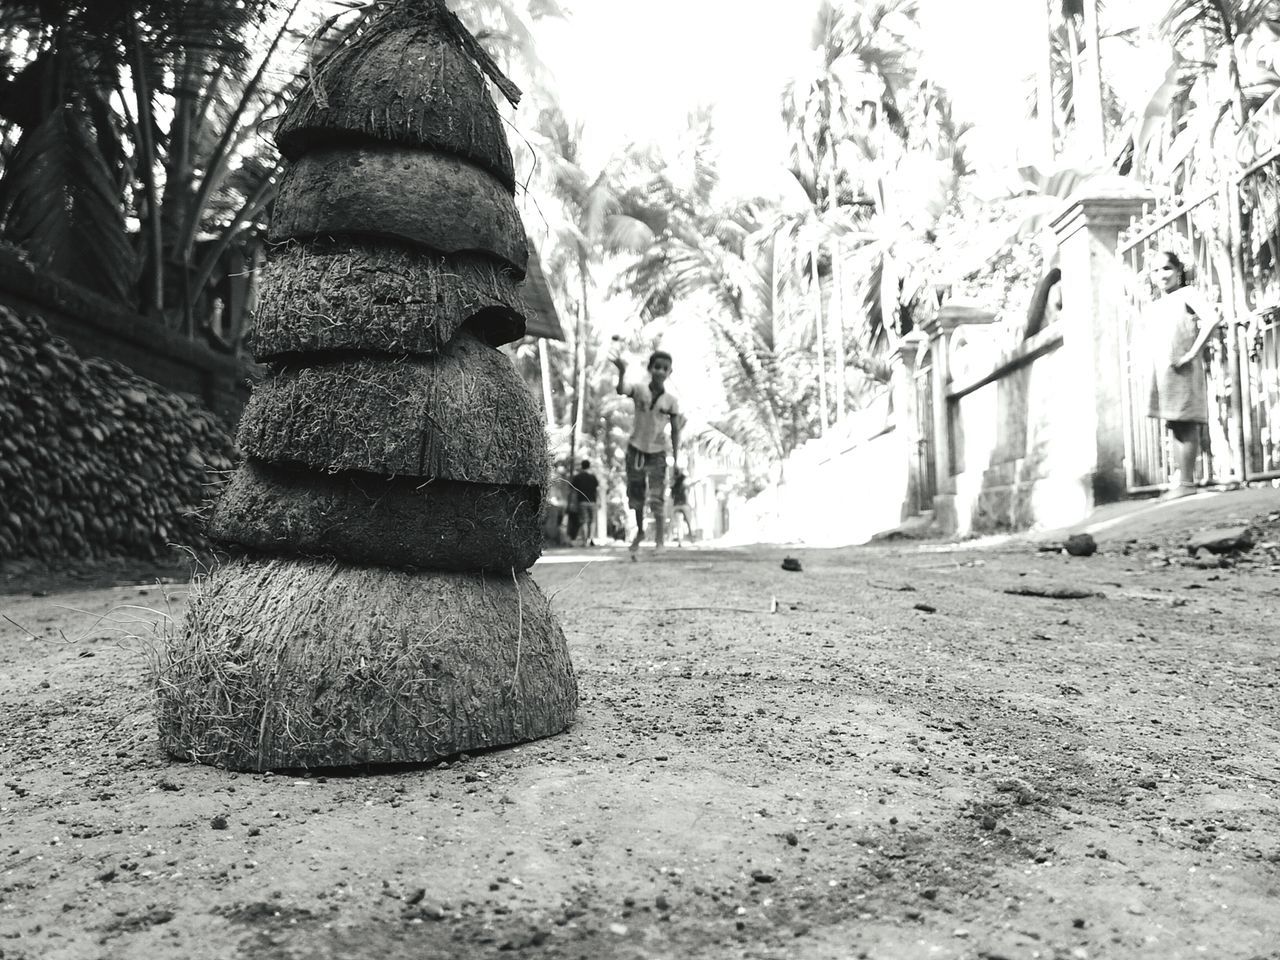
(719, 259)
(876, 156)
(1178, 139)
(587, 220)
(93, 152)
(843, 114)
(1071, 91)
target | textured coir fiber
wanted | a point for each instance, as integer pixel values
(435, 200)
(286, 663)
(405, 80)
(380, 297)
(392, 521)
(464, 415)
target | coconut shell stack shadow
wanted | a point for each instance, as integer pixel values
(376, 607)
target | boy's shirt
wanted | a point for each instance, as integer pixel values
(651, 416)
(585, 488)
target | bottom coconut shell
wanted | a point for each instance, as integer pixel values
(287, 663)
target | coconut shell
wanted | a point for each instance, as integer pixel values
(402, 82)
(395, 522)
(463, 414)
(287, 663)
(380, 297)
(431, 199)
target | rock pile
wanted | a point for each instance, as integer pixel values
(95, 461)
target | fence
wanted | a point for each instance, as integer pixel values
(1259, 212)
(1229, 233)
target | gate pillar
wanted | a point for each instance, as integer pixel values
(1092, 297)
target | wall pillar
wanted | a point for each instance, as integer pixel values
(1087, 230)
(905, 415)
(941, 331)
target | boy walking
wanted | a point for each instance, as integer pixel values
(583, 490)
(680, 506)
(647, 449)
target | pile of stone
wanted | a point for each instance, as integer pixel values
(95, 461)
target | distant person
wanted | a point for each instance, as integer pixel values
(553, 518)
(583, 490)
(647, 448)
(680, 508)
(1181, 322)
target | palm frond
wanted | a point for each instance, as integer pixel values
(59, 202)
(1224, 20)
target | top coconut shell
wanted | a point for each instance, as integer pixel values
(405, 81)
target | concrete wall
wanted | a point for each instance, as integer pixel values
(839, 489)
(1022, 435)
(1012, 465)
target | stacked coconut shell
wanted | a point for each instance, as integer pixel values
(376, 606)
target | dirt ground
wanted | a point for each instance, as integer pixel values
(903, 761)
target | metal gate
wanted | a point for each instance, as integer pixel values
(1191, 228)
(1230, 235)
(1258, 190)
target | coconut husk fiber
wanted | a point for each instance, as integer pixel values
(285, 663)
(463, 414)
(431, 199)
(406, 80)
(392, 521)
(372, 295)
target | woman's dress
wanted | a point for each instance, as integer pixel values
(1178, 395)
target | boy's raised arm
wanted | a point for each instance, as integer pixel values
(622, 375)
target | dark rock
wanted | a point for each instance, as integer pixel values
(759, 876)
(1221, 540)
(1053, 591)
(791, 564)
(1080, 545)
(218, 823)
(925, 608)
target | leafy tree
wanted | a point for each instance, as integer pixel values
(146, 111)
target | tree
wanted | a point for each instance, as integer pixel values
(97, 76)
(718, 258)
(587, 220)
(876, 155)
(1181, 139)
(1072, 93)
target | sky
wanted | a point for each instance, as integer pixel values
(635, 71)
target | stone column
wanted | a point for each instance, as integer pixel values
(906, 425)
(941, 330)
(1092, 299)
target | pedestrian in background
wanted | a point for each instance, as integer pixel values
(1180, 325)
(583, 490)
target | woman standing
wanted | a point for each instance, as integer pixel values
(1181, 324)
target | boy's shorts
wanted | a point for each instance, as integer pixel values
(646, 470)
